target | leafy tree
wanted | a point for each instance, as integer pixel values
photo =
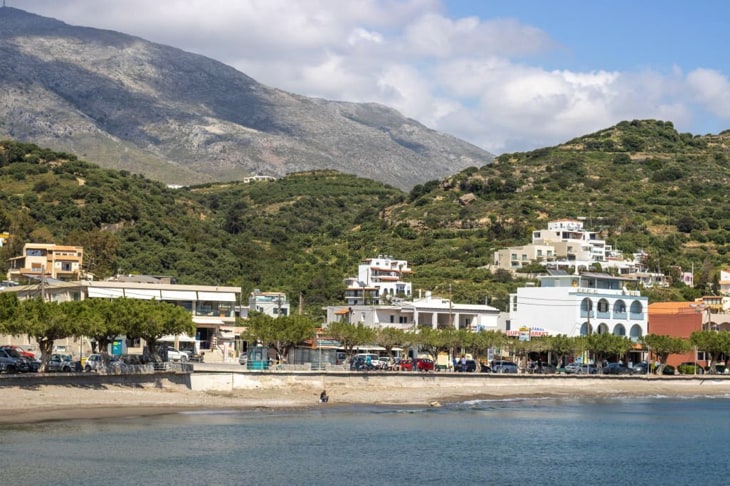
(389, 337)
(606, 345)
(150, 320)
(101, 320)
(44, 321)
(711, 342)
(663, 346)
(282, 333)
(350, 335)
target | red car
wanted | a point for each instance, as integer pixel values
(21, 351)
(422, 364)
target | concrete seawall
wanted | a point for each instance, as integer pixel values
(226, 381)
(219, 379)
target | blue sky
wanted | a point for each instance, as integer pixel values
(509, 75)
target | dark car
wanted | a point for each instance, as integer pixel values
(12, 362)
(615, 369)
(641, 368)
(467, 366)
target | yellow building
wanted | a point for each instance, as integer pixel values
(46, 260)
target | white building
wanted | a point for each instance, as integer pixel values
(576, 305)
(379, 280)
(212, 307)
(274, 304)
(571, 241)
(430, 311)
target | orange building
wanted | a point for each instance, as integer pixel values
(677, 319)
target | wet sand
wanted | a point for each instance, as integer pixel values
(61, 402)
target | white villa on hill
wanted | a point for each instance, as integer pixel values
(577, 305)
(379, 280)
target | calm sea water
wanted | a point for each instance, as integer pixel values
(652, 441)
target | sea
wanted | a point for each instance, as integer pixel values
(616, 441)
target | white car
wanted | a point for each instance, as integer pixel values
(173, 354)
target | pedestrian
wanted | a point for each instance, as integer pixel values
(323, 398)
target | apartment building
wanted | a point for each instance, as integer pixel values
(44, 260)
(379, 280)
(578, 305)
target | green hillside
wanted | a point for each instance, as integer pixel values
(641, 184)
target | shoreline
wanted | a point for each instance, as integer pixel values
(58, 402)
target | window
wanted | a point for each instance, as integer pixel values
(392, 319)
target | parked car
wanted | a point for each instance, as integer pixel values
(576, 368)
(543, 369)
(425, 364)
(501, 366)
(168, 353)
(20, 350)
(641, 368)
(467, 366)
(95, 362)
(62, 362)
(359, 363)
(12, 362)
(385, 363)
(616, 369)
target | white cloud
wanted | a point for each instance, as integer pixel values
(478, 79)
(712, 90)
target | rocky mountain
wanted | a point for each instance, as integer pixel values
(125, 103)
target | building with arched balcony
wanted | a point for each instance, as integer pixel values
(578, 305)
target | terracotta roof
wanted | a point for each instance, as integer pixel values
(671, 307)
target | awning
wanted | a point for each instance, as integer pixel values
(211, 321)
(179, 295)
(217, 296)
(107, 293)
(144, 294)
(342, 312)
(181, 338)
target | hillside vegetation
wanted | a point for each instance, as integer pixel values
(640, 184)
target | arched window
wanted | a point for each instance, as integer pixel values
(603, 305)
(602, 328)
(619, 330)
(586, 329)
(635, 332)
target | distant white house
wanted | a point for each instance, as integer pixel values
(379, 280)
(274, 304)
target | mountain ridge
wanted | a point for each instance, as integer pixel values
(183, 118)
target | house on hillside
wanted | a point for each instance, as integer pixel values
(379, 280)
(46, 260)
(274, 304)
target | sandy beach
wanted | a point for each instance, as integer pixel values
(60, 402)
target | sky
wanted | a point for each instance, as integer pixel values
(505, 75)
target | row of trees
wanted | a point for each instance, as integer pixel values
(100, 320)
(286, 332)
